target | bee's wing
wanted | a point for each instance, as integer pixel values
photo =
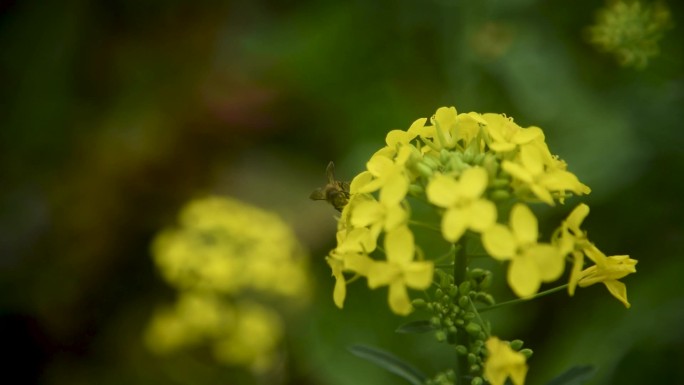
(330, 172)
(318, 194)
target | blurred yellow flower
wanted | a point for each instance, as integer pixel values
(465, 207)
(503, 362)
(531, 262)
(400, 270)
(228, 246)
(222, 252)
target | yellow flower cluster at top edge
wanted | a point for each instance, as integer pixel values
(227, 258)
(467, 166)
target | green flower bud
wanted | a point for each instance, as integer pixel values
(453, 291)
(439, 294)
(472, 359)
(418, 303)
(463, 301)
(475, 368)
(499, 195)
(469, 315)
(485, 298)
(461, 350)
(486, 282)
(416, 189)
(477, 381)
(440, 335)
(476, 273)
(526, 352)
(435, 321)
(516, 344)
(464, 287)
(423, 169)
(473, 328)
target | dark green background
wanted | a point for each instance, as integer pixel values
(112, 114)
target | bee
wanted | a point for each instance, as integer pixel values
(335, 192)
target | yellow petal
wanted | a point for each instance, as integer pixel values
(394, 189)
(517, 171)
(398, 299)
(560, 180)
(548, 260)
(473, 182)
(395, 216)
(418, 275)
(542, 193)
(481, 215)
(359, 181)
(531, 158)
(499, 242)
(578, 263)
(366, 213)
(524, 224)
(381, 274)
(359, 263)
(576, 217)
(396, 137)
(379, 165)
(441, 190)
(399, 246)
(619, 291)
(453, 224)
(523, 277)
(527, 135)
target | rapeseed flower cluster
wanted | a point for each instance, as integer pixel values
(481, 173)
(227, 260)
(630, 30)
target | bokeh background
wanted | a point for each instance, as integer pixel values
(114, 114)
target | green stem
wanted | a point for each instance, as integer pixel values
(425, 225)
(520, 300)
(460, 266)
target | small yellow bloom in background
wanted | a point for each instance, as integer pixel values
(465, 207)
(531, 263)
(400, 271)
(503, 362)
(224, 245)
(222, 252)
(608, 270)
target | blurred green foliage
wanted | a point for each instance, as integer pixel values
(112, 114)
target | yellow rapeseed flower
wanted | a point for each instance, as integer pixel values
(503, 362)
(608, 270)
(400, 271)
(505, 135)
(533, 171)
(531, 262)
(462, 199)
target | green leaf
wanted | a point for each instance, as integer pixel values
(420, 326)
(576, 375)
(390, 363)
